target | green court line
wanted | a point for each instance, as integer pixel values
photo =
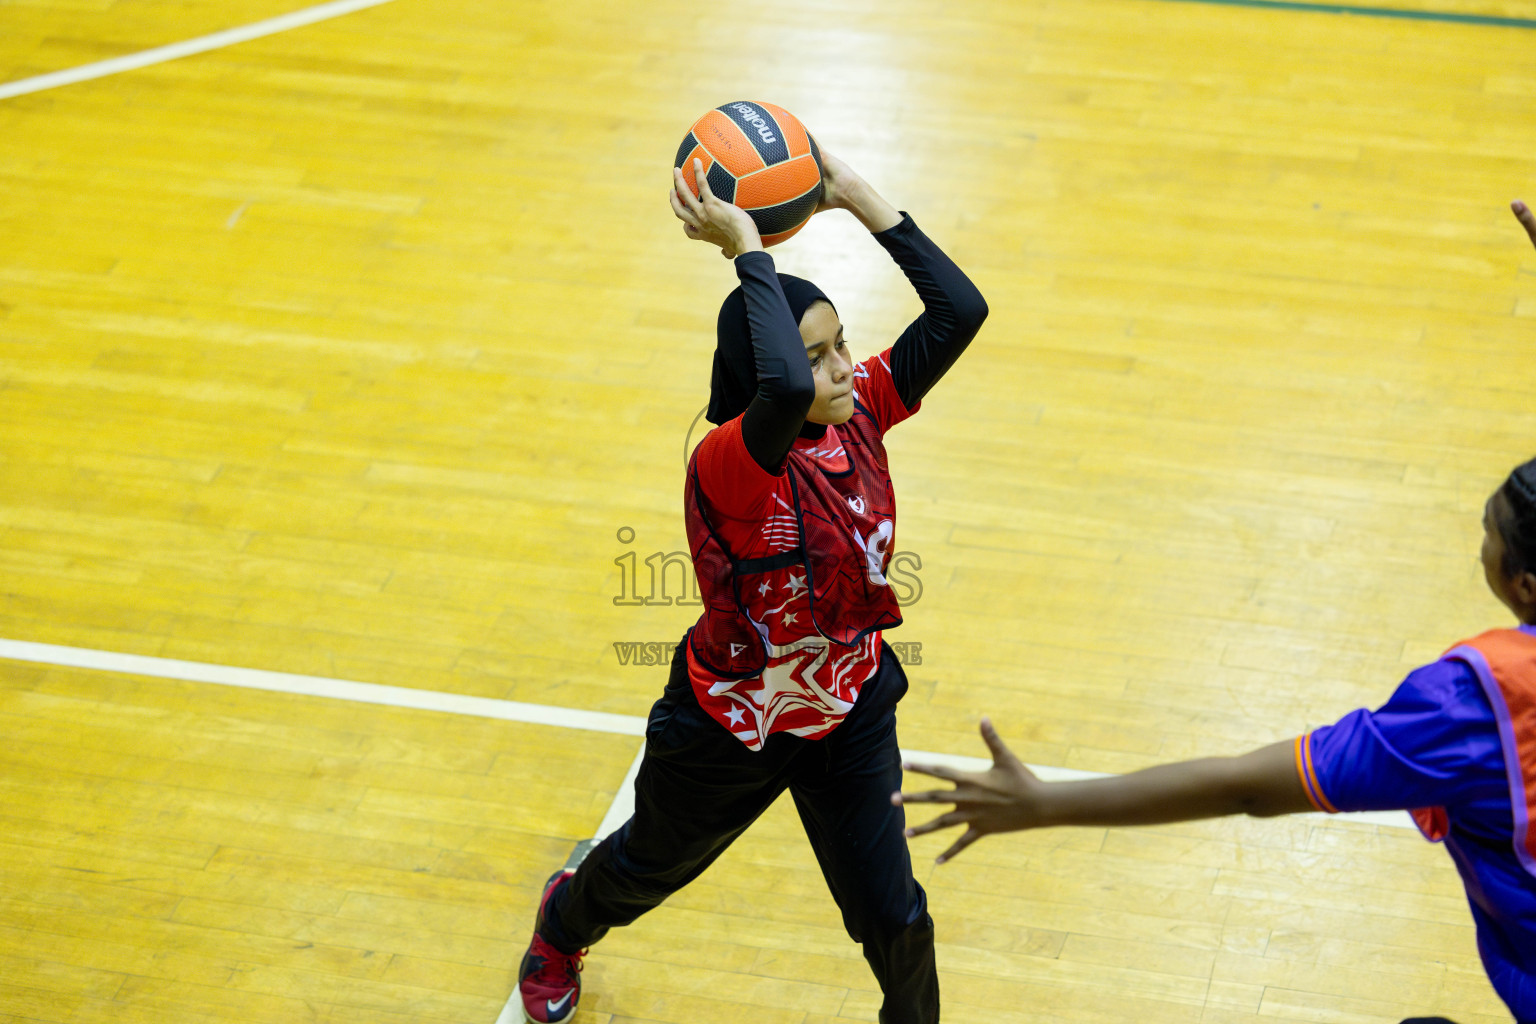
(1374, 12)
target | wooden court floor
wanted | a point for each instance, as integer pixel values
(370, 351)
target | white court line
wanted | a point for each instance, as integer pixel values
(512, 1013)
(623, 805)
(319, 686)
(459, 704)
(202, 44)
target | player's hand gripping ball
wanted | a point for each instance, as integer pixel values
(761, 158)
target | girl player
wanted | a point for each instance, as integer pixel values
(784, 682)
(1456, 742)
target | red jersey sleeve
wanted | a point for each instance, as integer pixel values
(876, 390)
(732, 482)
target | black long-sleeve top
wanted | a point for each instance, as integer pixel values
(953, 311)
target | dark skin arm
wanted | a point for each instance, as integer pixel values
(1009, 797)
(1526, 218)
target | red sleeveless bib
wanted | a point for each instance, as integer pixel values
(842, 526)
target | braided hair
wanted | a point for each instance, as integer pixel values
(1519, 528)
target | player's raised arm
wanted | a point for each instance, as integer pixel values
(1526, 218)
(842, 189)
(1008, 797)
(953, 307)
(766, 345)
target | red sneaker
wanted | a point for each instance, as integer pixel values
(549, 980)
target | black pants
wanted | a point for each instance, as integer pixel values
(699, 788)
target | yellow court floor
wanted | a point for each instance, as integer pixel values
(370, 351)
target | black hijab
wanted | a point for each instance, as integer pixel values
(733, 381)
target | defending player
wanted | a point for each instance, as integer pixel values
(784, 682)
(1456, 742)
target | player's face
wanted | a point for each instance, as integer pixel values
(1493, 550)
(1515, 593)
(831, 365)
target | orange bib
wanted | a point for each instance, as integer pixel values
(1504, 661)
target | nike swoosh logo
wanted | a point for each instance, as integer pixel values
(554, 1007)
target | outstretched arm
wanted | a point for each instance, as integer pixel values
(953, 309)
(1009, 797)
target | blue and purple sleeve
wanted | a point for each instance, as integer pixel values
(1433, 743)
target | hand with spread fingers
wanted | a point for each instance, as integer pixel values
(1526, 218)
(708, 218)
(1000, 799)
(1008, 797)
